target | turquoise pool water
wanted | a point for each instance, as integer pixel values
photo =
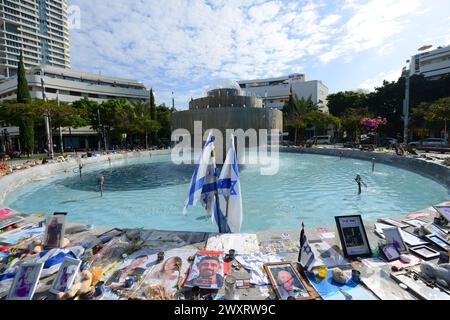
(150, 192)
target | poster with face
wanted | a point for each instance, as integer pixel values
(25, 281)
(286, 281)
(54, 231)
(207, 270)
(134, 266)
(66, 275)
(168, 274)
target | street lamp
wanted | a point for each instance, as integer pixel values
(406, 105)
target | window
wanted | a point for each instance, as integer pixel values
(50, 90)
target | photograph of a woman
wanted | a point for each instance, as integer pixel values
(169, 270)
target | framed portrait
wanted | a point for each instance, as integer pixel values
(66, 275)
(411, 239)
(7, 221)
(394, 223)
(206, 271)
(394, 237)
(416, 222)
(54, 231)
(390, 252)
(425, 252)
(287, 282)
(441, 243)
(443, 211)
(434, 229)
(353, 236)
(25, 282)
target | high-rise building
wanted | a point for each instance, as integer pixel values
(37, 27)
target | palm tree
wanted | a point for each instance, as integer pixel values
(295, 113)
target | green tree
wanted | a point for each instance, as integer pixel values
(321, 120)
(152, 105)
(351, 122)
(439, 111)
(27, 136)
(295, 114)
(163, 117)
(339, 102)
(23, 93)
(26, 125)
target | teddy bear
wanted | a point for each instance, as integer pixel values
(439, 272)
(80, 288)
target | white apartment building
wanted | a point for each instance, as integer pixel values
(37, 27)
(432, 64)
(73, 85)
(275, 91)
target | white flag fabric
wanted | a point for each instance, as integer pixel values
(200, 173)
(230, 189)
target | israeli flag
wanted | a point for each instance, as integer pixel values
(209, 190)
(202, 173)
(230, 198)
(306, 255)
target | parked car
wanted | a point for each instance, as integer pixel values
(429, 142)
(367, 139)
(319, 140)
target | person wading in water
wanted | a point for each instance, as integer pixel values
(359, 181)
(101, 183)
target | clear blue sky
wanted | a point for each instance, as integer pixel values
(187, 46)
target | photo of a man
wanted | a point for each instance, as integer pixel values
(353, 236)
(288, 284)
(207, 272)
(55, 231)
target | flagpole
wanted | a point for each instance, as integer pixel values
(216, 192)
(218, 207)
(226, 215)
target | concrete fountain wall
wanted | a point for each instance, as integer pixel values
(432, 170)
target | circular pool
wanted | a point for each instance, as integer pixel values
(150, 192)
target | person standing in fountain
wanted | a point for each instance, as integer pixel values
(359, 181)
(101, 182)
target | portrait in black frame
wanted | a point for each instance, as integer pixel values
(353, 236)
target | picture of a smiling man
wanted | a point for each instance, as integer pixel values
(207, 272)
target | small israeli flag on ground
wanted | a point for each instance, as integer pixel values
(199, 178)
(230, 198)
(305, 256)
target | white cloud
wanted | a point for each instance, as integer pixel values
(371, 25)
(377, 81)
(181, 45)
